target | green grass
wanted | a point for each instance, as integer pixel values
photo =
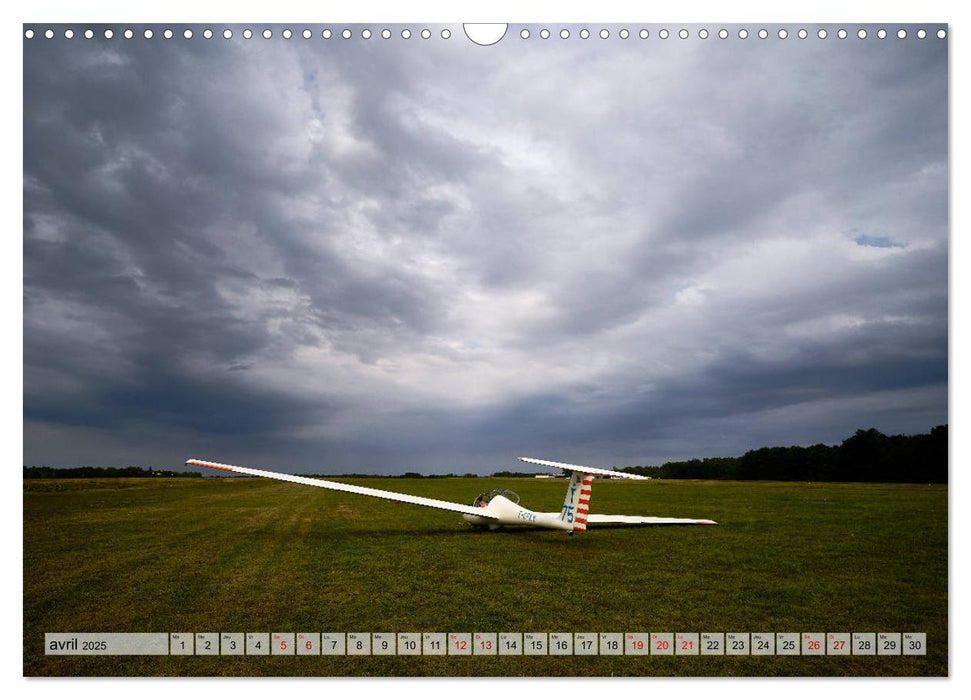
(252, 555)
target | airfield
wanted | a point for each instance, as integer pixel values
(253, 555)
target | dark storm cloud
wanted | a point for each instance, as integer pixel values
(377, 254)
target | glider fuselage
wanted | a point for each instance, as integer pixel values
(501, 511)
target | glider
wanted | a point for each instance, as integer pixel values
(499, 507)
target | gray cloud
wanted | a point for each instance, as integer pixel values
(379, 255)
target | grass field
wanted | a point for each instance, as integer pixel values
(248, 555)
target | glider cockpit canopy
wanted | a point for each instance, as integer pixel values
(482, 500)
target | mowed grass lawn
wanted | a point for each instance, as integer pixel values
(252, 555)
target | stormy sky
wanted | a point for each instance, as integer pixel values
(379, 255)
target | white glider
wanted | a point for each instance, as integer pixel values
(495, 508)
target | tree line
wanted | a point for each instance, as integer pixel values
(100, 473)
(868, 455)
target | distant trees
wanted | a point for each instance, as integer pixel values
(815, 463)
(868, 455)
(100, 473)
(906, 458)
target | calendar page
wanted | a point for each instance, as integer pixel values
(297, 297)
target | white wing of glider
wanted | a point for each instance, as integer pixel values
(585, 470)
(643, 520)
(348, 488)
(595, 519)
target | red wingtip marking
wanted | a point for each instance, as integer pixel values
(210, 465)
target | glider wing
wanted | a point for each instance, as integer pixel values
(585, 470)
(643, 520)
(348, 488)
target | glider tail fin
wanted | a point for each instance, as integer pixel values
(576, 505)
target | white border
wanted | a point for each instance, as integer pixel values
(438, 11)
